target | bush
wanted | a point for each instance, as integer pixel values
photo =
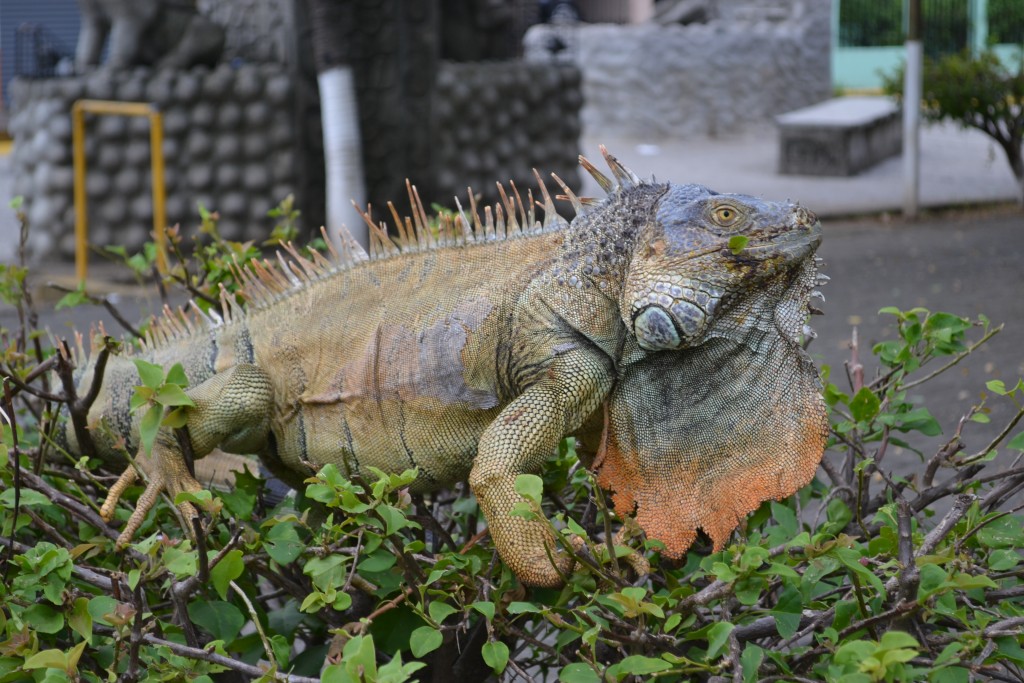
(861, 576)
(975, 92)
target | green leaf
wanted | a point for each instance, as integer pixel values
(282, 543)
(495, 654)
(1017, 442)
(72, 299)
(996, 386)
(180, 562)
(359, 656)
(43, 618)
(173, 395)
(948, 654)
(80, 620)
(484, 608)
(101, 606)
(149, 426)
(751, 660)
(29, 498)
(718, 636)
(787, 611)
(152, 375)
(176, 375)
(531, 487)
(932, 579)
(230, 567)
(425, 639)
(921, 420)
(394, 519)
(1010, 648)
(638, 665)
(1003, 559)
(578, 672)
(517, 607)
(379, 561)
(439, 611)
(951, 674)
(966, 581)
(864, 405)
(897, 639)
(220, 619)
(737, 243)
(47, 659)
(1005, 532)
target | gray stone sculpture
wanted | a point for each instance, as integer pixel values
(166, 33)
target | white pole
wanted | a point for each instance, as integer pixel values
(978, 35)
(342, 152)
(912, 91)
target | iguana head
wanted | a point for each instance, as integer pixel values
(716, 406)
(700, 252)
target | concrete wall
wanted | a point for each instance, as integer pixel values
(496, 121)
(230, 143)
(235, 142)
(242, 136)
(749, 62)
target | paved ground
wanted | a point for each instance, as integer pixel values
(958, 166)
(966, 262)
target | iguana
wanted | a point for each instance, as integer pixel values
(662, 327)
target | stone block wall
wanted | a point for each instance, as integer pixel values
(235, 142)
(230, 142)
(754, 60)
(496, 121)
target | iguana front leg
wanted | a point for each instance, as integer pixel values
(518, 442)
(232, 412)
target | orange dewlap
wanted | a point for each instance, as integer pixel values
(671, 506)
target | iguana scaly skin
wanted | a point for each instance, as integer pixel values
(669, 347)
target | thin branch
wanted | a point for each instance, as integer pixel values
(935, 536)
(214, 658)
(998, 438)
(956, 359)
(106, 303)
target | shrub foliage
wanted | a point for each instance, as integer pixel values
(861, 576)
(975, 92)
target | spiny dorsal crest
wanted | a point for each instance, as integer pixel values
(624, 178)
(265, 282)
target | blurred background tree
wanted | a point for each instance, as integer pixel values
(976, 92)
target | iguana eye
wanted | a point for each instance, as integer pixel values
(725, 216)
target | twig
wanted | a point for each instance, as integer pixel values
(214, 658)
(75, 507)
(715, 590)
(1003, 492)
(909, 577)
(946, 524)
(928, 496)
(255, 618)
(8, 414)
(951, 448)
(956, 359)
(998, 438)
(101, 301)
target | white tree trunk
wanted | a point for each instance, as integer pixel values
(342, 153)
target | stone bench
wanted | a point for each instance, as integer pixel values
(839, 137)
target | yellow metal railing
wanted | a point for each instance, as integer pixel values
(156, 136)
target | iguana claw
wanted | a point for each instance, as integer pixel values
(158, 482)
